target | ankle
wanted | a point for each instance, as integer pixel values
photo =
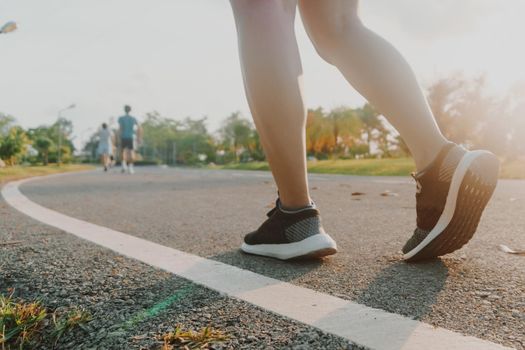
(292, 205)
(426, 155)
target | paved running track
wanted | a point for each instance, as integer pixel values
(477, 291)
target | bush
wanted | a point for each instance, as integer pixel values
(13, 144)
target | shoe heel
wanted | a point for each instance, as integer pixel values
(484, 170)
(476, 189)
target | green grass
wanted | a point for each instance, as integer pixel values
(66, 320)
(374, 167)
(382, 167)
(25, 324)
(19, 172)
(20, 322)
(513, 170)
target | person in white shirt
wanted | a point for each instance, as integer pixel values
(105, 146)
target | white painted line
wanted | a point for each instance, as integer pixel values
(360, 324)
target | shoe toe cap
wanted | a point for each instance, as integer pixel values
(251, 238)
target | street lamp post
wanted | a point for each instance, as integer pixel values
(8, 27)
(60, 132)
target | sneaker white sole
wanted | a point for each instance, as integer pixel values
(479, 170)
(316, 246)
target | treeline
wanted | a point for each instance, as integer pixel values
(342, 132)
(42, 144)
(469, 114)
(188, 141)
(464, 109)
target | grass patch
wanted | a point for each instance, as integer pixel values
(374, 167)
(19, 172)
(66, 320)
(25, 324)
(513, 169)
(21, 322)
(188, 339)
(382, 167)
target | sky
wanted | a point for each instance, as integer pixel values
(179, 57)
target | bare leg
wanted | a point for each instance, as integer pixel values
(123, 159)
(272, 73)
(130, 156)
(376, 69)
(131, 160)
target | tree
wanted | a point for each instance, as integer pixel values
(373, 127)
(61, 127)
(320, 139)
(467, 115)
(340, 131)
(6, 121)
(255, 147)
(13, 144)
(193, 140)
(43, 145)
(172, 141)
(236, 134)
(347, 129)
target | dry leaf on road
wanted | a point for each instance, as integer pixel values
(506, 249)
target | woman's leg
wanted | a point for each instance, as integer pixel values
(272, 79)
(272, 74)
(377, 70)
(456, 184)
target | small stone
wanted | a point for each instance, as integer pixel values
(482, 294)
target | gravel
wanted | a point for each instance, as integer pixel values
(131, 303)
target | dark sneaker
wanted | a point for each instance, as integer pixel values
(451, 195)
(290, 234)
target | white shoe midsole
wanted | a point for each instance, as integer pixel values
(285, 251)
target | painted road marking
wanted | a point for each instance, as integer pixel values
(369, 327)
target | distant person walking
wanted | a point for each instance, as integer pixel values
(128, 129)
(105, 146)
(453, 184)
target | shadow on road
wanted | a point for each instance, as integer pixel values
(269, 267)
(400, 288)
(406, 289)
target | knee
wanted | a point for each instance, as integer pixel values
(329, 36)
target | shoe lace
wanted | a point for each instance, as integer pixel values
(419, 187)
(274, 209)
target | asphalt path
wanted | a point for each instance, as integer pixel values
(478, 291)
(131, 303)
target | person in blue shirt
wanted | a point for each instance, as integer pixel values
(128, 129)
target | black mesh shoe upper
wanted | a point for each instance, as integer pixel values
(286, 227)
(433, 184)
